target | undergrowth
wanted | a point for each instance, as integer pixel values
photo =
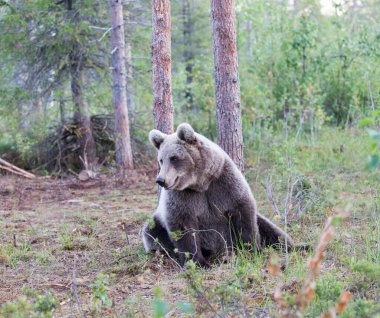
(296, 183)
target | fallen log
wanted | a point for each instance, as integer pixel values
(5, 165)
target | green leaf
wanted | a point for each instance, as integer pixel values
(373, 134)
(365, 122)
(373, 161)
(160, 308)
(185, 307)
(336, 220)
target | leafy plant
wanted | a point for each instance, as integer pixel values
(32, 304)
(66, 238)
(160, 307)
(99, 296)
(374, 136)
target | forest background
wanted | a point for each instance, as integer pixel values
(310, 98)
(303, 66)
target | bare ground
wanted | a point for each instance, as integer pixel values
(84, 229)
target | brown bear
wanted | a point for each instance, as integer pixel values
(206, 207)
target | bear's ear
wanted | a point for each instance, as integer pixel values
(186, 133)
(156, 137)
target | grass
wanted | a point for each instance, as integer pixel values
(97, 237)
(14, 254)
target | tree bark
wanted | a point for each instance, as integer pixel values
(124, 159)
(161, 66)
(129, 76)
(227, 86)
(62, 111)
(81, 113)
(188, 54)
(129, 68)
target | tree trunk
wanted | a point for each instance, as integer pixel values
(62, 111)
(124, 159)
(81, 113)
(188, 52)
(129, 69)
(161, 66)
(227, 86)
(129, 76)
(37, 105)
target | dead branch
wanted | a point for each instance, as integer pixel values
(16, 170)
(74, 286)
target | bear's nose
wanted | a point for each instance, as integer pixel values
(160, 181)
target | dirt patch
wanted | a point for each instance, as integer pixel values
(53, 228)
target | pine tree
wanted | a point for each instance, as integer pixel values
(124, 159)
(227, 85)
(161, 66)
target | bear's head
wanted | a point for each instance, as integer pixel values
(186, 159)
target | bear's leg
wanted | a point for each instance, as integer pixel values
(156, 237)
(189, 248)
(271, 234)
(245, 229)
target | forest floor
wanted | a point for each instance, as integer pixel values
(72, 249)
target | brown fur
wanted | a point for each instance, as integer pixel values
(205, 201)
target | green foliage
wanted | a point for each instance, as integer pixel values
(229, 294)
(6, 147)
(374, 137)
(99, 296)
(130, 261)
(300, 69)
(304, 68)
(66, 238)
(185, 307)
(370, 269)
(15, 254)
(44, 256)
(33, 304)
(327, 292)
(361, 308)
(160, 307)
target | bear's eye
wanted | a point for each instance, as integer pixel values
(173, 159)
(161, 161)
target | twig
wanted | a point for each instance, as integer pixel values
(75, 287)
(200, 296)
(302, 118)
(269, 191)
(73, 172)
(288, 207)
(57, 285)
(97, 28)
(104, 34)
(166, 252)
(370, 93)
